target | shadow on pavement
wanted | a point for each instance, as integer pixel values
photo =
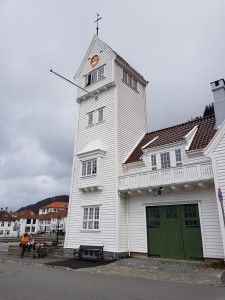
(79, 263)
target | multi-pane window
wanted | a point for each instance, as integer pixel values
(1, 232)
(178, 157)
(129, 80)
(90, 118)
(2, 224)
(95, 75)
(100, 114)
(91, 216)
(9, 224)
(89, 167)
(153, 162)
(165, 160)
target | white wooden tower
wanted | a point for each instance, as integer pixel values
(112, 119)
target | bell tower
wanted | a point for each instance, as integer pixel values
(112, 119)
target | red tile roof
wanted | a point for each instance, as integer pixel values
(50, 215)
(26, 214)
(56, 205)
(5, 216)
(206, 131)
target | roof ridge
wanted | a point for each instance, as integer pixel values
(179, 125)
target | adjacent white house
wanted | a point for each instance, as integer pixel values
(53, 207)
(8, 225)
(53, 221)
(132, 191)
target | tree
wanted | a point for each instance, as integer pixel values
(209, 110)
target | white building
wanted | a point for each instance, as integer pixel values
(120, 170)
(53, 221)
(53, 207)
(8, 225)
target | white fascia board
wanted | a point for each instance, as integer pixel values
(190, 136)
(96, 92)
(215, 140)
(164, 147)
(131, 71)
(133, 149)
(155, 138)
(196, 151)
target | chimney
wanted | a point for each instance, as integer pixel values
(218, 89)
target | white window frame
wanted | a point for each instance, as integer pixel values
(165, 160)
(95, 75)
(101, 114)
(91, 117)
(89, 167)
(153, 162)
(130, 80)
(178, 157)
(91, 218)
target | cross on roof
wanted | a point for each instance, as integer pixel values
(97, 22)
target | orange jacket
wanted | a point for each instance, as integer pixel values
(24, 240)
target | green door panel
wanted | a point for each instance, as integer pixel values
(192, 232)
(173, 231)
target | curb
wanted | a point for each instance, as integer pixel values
(36, 265)
(222, 279)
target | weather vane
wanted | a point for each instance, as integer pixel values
(97, 22)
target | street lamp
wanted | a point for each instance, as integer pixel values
(58, 221)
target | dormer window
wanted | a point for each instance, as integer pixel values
(95, 75)
(130, 80)
(153, 162)
(165, 160)
(178, 157)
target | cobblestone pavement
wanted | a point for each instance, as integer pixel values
(167, 270)
(148, 268)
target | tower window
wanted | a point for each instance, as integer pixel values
(89, 167)
(90, 118)
(101, 114)
(91, 218)
(130, 80)
(95, 75)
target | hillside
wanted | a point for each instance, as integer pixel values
(35, 207)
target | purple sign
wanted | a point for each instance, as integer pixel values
(220, 195)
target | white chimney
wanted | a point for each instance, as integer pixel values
(218, 89)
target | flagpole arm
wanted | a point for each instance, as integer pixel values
(69, 81)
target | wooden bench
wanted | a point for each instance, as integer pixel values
(85, 251)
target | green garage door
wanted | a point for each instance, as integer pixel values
(174, 232)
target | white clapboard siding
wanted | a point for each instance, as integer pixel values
(132, 118)
(123, 225)
(210, 226)
(220, 165)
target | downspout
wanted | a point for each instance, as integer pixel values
(127, 219)
(128, 232)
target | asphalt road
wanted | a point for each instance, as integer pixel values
(21, 282)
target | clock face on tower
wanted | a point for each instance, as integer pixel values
(94, 60)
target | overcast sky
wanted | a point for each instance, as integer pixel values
(177, 45)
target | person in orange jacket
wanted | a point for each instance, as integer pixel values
(23, 242)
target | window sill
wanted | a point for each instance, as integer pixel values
(88, 176)
(90, 230)
(92, 84)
